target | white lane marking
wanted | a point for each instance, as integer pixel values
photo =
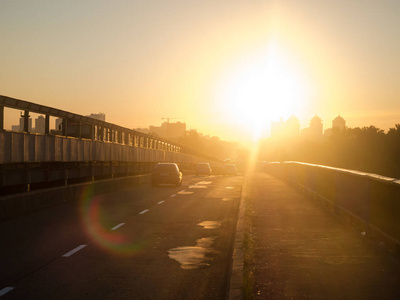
(6, 290)
(118, 226)
(197, 186)
(173, 195)
(73, 251)
(230, 188)
(143, 212)
(160, 202)
(227, 199)
(183, 192)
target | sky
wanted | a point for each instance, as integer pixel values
(225, 68)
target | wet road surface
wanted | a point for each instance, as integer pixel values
(143, 243)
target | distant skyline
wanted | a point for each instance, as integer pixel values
(226, 68)
(177, 125)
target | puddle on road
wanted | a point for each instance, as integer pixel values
(193, 257)
(185, 192)
(230, 188)
(210, 224)
(197, 186)
(204, 182)
(227, 199)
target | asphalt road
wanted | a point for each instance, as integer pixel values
(146, 242)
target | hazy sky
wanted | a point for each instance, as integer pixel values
(223, 67)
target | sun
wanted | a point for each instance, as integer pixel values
(262, 89)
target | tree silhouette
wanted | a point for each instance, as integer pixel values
(366, 149)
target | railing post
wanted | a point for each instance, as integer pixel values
(26, 120)
(1, 118)
(119, 137)
(64, 126)
(93, 132)
(101, 133)
(126, 136)
(47, 125)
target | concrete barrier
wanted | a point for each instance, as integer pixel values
(30, 161)
(368, 201)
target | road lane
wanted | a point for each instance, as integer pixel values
(32, 241)
(134, 261)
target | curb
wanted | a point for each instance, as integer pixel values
(236, 280)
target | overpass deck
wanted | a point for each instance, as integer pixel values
(301, 250)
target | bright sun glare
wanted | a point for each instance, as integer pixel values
(261, 90)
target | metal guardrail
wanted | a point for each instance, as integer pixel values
(369, 201)
(31, 160)
(97, 130)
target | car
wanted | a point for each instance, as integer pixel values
(230, 169)
(166, 173)
(203, 169)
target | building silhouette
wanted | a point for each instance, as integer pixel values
(169, 130)
(99, 116)
(292, 128)
(58, 123)
(40, 124)
(22, 123)
(314, 131)
(338, 124)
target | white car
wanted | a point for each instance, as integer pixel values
(203, 169)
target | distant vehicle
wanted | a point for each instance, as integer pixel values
(230, 169)
(203, 169)
(166, 173)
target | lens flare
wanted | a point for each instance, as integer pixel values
(95, 222)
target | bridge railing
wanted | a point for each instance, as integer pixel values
(369, 201)
(84, 149)
(20, 147)
(81, 127)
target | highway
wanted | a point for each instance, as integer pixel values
(146, 242)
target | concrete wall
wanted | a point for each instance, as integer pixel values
(369, 201)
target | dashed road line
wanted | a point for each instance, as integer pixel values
(73, 251)
(6, 290)
(118, 226)
(196, 186)
(183, 192)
